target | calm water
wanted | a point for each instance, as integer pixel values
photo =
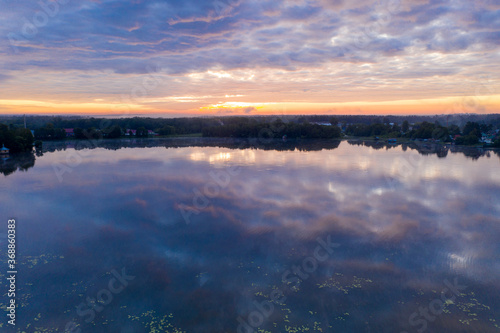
(226, 237)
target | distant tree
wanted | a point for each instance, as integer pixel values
(16, 139)
(49, 132)
(470, 139)
(406, 126)
(167, 130)
(92, 134)
(142, 132)
(115, 132)
(59, 134)
(424, 131)
(27, 137)
(454, 130)
(302, 120)
(441, 133)
(79, 133)
(334, 121)
(246, 127)
(472, 128)
(485, 128)
(396, 128)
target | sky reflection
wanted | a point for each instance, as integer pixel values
(405, 223)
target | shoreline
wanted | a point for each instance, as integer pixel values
(345, 138)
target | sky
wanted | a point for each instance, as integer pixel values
(239, 57)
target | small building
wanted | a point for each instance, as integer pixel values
(129, 132)
(150, 132)
(4, 151)
(69, 132)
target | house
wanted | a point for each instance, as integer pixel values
(488, 137)
(69, 132)
(4, 151)
(129, 132)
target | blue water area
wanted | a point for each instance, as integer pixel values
(199, 235)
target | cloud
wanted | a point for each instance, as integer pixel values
(235, 111)
(330, 38)
(131, 34)
(4, 77)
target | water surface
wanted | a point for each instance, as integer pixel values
(225, 236)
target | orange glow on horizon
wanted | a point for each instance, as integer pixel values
(467, 104)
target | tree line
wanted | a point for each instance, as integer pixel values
(16, 139)
(244, 127)
(470, 134)
(292, 126)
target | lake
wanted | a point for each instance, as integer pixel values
(207, 235)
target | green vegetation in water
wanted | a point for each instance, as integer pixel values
(340, 283)
(155, 323)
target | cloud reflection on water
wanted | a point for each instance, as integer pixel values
(404, 232)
